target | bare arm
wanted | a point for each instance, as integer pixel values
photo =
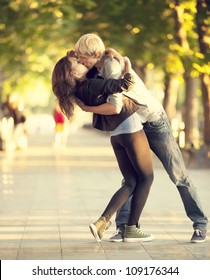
(103, 109)
(113, 103)
(128, 66)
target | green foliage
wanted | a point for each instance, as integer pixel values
(32, 36)
(35, 33)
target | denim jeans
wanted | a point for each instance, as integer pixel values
(164, 146)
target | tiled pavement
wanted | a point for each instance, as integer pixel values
(49, 197)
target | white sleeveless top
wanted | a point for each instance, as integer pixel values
(130, 125)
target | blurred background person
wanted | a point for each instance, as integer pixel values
(60, 138)
(14, 120)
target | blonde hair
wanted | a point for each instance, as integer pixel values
(90, 44)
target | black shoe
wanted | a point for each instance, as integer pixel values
(117, 237)
(198, 236)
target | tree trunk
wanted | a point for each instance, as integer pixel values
(191, 112)
(205, 85)
(203, 37)
(1, 84)
(170, 98)
(181, 34)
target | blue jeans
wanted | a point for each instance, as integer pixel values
(164, 146)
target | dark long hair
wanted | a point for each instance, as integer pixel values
(64, 86)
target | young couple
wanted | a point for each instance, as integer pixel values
(137, 123)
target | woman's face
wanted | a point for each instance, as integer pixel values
(79, 70)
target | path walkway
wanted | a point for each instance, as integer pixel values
(49, 197)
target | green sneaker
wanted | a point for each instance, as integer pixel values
(135, 234)
(97, 229)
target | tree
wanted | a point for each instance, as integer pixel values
(29, 31)
(34, 34)
(203, 23)
(187, 48)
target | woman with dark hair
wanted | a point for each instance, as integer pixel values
(130, 145)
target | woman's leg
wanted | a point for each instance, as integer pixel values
(122, 194)
(134, 158)
(98, 228)
(141, 158)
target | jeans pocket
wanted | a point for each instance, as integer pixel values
(158, 124)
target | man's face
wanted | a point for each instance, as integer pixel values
(88, 61)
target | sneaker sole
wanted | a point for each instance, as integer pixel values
(139, 239)
(197, 241)
(116, 240)
(94, 232)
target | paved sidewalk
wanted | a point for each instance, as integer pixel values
(49, 197)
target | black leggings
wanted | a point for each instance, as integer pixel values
(135, 162)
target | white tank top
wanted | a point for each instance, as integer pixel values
(130, 125)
